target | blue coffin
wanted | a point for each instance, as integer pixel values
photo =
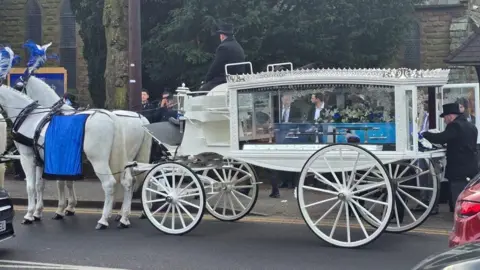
(371, 133)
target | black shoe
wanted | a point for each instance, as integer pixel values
(434, 211)
(274, 195)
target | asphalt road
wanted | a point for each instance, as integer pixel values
(256, 243)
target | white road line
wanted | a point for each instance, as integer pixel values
(41, 265)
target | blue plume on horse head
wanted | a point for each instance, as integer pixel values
(7, 58)
(38, 55)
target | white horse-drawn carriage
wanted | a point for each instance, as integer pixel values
(367, 188)
(348, 193)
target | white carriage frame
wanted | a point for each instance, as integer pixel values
(221, 104)
(403, 80)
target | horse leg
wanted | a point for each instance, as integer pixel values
(29, 169)
(127, 183)
(72, 199)
(40, 187)
(108, 184)
(107, 179)
(60, 212)
(116, 198)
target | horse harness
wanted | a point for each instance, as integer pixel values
(55, 110)
(33, 143)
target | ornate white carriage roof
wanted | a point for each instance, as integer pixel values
(388, 77)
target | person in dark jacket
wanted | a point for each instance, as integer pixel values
(461, 139)
(229, 51)
(148, 109)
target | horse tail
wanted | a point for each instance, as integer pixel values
(143, 155)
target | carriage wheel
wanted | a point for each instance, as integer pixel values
(326, 209)
(416, 191)
(232, 190)
(168, 198)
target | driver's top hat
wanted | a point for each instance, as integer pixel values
(450, 108)
(225, 28)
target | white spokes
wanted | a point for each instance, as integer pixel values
(232, 190)
(335, 201)
(416, 192)
(168, 198)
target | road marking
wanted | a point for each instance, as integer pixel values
(40, 265)
(249, 219)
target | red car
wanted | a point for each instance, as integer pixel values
(466, 224)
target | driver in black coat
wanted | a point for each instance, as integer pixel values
(460, 136)
(229, 51)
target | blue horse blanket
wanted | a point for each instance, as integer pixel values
(63, 147)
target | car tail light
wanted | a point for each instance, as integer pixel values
(469, 208)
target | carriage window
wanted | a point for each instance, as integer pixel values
(318, 114)
(423, 109)
(465, 97)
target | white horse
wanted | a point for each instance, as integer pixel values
(138, 142)
(3, 148)
(104, 147)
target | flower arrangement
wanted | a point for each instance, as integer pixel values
(354, 115)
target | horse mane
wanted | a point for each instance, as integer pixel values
(15, 92)
(43, 86)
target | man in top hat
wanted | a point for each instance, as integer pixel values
(461, 139)
(228, 52)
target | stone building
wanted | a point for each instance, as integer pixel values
(46, 21)
(441, 27)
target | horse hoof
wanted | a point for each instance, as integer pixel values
(69, 213)
(27, 222)
(36, 218)
(100, 227)
(122, 226)
(57, 217)
(118, 217)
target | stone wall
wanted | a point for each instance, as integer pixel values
(460, 30)
(435, 33)
(13, 24)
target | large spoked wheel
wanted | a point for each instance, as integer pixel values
(331, 206)
(416, 191)
(168, 198)
(231, 189)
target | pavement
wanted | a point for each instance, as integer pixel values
(90, 195)
(252, 243)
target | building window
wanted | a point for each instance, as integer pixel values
(34, 21)
(68, 43)
(411, 57)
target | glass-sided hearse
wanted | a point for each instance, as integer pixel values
(351, 134)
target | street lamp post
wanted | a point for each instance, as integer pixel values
(134, 56)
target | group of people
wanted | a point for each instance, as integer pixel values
(289, 114)
(158, 111)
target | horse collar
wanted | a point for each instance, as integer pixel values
(21, 117)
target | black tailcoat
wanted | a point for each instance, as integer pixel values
(461, 139)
